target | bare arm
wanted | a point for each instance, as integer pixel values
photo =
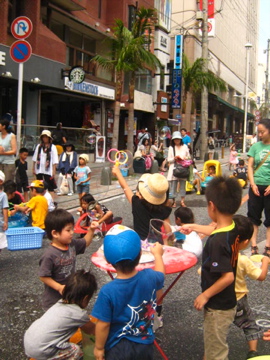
(13, 144)
(224, 281)
(52, 283)
(102, 332)
(122, 182)
(104, 217)
(264, 268)
(5, 216)
(204, 229)
(251, 176)
(157, 251)
(89, 328)
(90, 233)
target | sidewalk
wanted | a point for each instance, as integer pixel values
(102, 192)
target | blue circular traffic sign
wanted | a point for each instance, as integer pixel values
(20, 51)
(21, 27)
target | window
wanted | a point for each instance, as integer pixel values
(143, 82)
(131, 16)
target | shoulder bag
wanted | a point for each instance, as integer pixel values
(179, 171)
(262, 162)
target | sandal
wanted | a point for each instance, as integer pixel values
(265, 253)
(183, 204)
(255, 250)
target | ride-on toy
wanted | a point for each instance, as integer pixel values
(205, 172)
(83, 223)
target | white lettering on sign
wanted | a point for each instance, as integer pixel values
(91, 89)
(2, 58)
(163, 41)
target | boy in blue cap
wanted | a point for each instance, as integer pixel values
(125, 307)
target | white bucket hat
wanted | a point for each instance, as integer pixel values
(47, 133)
(84, 157)
(176, 135)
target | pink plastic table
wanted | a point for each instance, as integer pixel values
(176, 261)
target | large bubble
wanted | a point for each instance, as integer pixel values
(91, 139)
(165, 133)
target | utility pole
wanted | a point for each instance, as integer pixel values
(204, 95)
(266, 78)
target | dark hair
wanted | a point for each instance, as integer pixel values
(6, 123)
(241, 162)
(23, 150)
(57, 220)
(266, 123)
(173, 145)
(127, 266)
(183, 129)
(185, 215)
(244, 226)
(144, 141)
(9, 187)
(225, 193)
(87, 198)
(38, 190)
(58, 125)
(78, 286)
(212, 167)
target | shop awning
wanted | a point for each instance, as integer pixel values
(235, 108)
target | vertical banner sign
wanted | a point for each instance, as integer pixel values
(176, 88)
(211, 8)
(177, 72)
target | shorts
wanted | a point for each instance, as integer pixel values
(49, 180)
(216, 328)
(72, 352)
(244, 319)
(129, 350)
(83, 189)
(256, 204)
(23, 186)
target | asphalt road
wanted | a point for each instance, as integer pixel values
(182, 334)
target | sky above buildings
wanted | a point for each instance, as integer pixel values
(264, 28)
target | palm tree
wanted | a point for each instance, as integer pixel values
(117, 63)
(194, 78)
(141, 57)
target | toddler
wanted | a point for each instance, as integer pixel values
(233, 157)
(21, 176)
(59, 259)
(48, 337)
(37, 205)
(82, 175)
(190, 242)
(241, 171)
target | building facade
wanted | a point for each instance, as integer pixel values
(231, 24)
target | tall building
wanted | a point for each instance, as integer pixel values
(231, 24)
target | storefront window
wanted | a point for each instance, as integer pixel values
(143, 82)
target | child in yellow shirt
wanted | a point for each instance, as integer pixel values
(38, 205)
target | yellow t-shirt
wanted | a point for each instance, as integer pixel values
(39, 209)
(245, 267)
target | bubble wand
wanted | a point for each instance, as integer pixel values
(119, 154)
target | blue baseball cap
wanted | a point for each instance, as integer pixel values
(121, 243)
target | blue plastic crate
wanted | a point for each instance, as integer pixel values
(24, 238)
(124, 172)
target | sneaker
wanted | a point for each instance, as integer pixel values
(198, 193)
(252, 354)
(58, 193)
(160, 319)
(70, 194)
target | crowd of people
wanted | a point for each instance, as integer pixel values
(67, 292)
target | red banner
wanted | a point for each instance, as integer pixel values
(211, 8)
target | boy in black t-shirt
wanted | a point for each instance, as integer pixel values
(219, 261)
(241, 171)
(21, 173)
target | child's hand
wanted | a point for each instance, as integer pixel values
(61, 289)
(266, 335)
(185, 229)
(157, 249)
(94, 225)
(116, 170)
(99, 354)
(200, 301)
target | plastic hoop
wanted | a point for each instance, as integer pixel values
(117, 157)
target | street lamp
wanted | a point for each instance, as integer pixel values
(247, 46)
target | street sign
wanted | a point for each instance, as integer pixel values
(21, 27)
(20, 51)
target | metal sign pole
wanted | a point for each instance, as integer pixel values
(19, 105)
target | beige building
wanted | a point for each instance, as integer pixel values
(234, 24)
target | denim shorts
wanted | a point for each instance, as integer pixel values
(83, 189)
(245, 320)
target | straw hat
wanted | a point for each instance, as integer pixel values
(47, 133)
(84, 157)
(176, 135)
(153, 188)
